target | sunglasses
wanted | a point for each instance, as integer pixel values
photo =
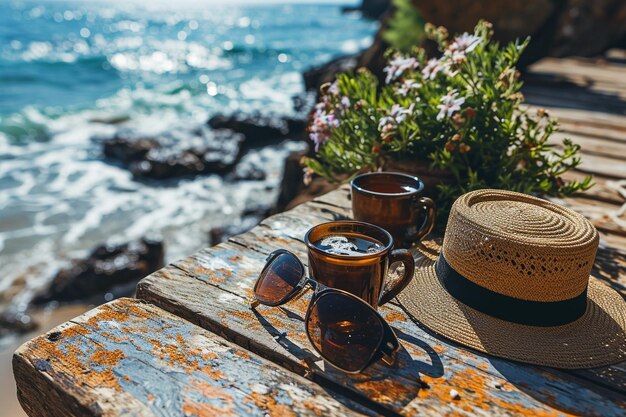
(346, 331)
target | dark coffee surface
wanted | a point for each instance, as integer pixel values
(351, 245)
(389, 187)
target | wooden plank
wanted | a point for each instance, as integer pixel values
(131, 358)
(573, 99)
(603, 215)
(613, 168)
(601, 190)
(590, 70)
(609, 267)
(604, 147)
(592, 85)
(589, 122)
(212, 289)
(427, 370)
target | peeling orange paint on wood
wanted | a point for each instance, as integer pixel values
(193, 372)
(267, 402)
(107, 357)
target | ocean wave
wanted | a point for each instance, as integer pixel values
(74, 73)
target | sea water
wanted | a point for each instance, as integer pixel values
(73, 73)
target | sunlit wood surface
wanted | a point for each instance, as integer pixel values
(192, 345)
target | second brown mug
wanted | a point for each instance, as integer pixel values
(395, 202)
(355, 257)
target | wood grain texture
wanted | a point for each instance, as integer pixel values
(212, 288)
(129, 358)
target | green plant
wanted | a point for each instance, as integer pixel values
(461, 112)
(405, 28)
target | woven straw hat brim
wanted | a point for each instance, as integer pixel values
(598, 338)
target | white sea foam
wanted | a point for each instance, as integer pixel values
(138, 76)
(67, 198)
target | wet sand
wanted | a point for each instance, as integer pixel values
(8, 398)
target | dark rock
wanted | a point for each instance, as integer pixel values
(303, 102)
(128, 150)
(370, 8)
(167, 163)
(293, 191)
(169, 157)
(326, 73)
(259, 130)
(292, 182)
(12, 323)
(106, 267)
(556, 28)
(371, 58)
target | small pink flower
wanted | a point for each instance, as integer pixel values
(308, 176)
(321, 126)
(387, 128)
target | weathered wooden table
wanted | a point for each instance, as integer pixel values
(190, 345)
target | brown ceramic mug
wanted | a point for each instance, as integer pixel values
(394, 202)
(354, 269)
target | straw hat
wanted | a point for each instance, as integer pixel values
(512, 279)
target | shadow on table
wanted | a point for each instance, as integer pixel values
(382, 388)
(610, 264)
(561, 392)
(555, 90)
(336, 216)
(556, 388)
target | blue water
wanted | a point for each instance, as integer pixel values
(70, 69)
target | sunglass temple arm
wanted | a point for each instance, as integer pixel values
(389, 353)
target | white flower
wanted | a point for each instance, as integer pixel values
(456, 56)
(407, 86)
(397, 66)
(435, 66)
(449, 104)
(397, 115)
(400, 113)
(345, 101)
(465, 43)
(386, 121)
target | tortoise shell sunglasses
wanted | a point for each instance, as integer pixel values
(345, 330)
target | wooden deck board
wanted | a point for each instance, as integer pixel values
(213, 288)
(131, 358)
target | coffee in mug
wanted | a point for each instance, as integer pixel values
(355, 257)
(394, 202)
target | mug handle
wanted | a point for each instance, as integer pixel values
(404, 256)
(428, 205)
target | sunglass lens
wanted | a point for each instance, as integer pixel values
(344, 330)
(278, 279)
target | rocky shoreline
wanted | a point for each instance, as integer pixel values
(112, 270)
